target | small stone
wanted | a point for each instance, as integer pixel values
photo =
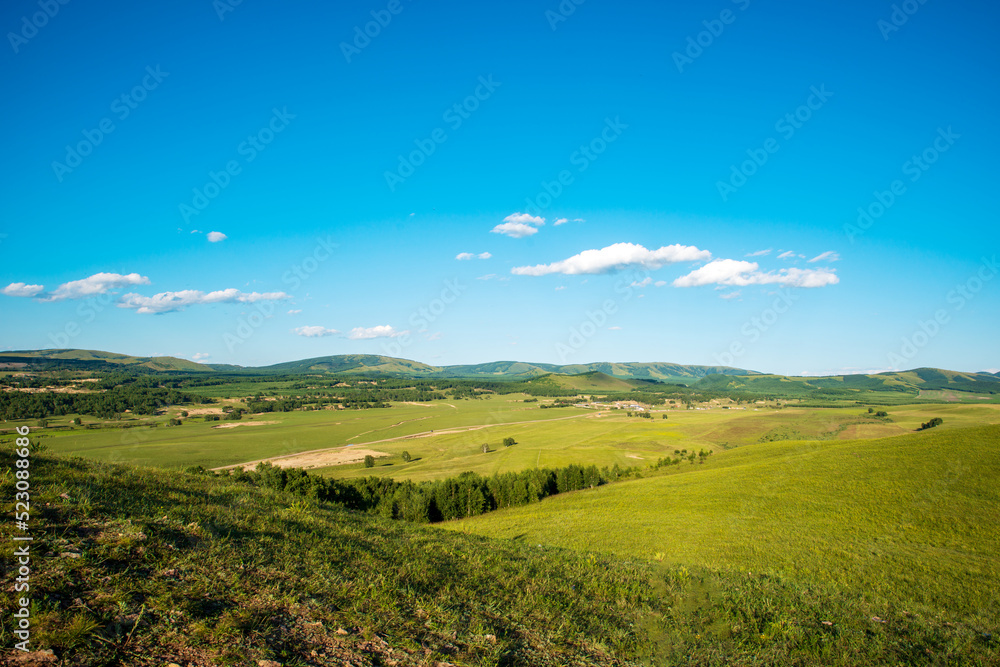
(342, 631)
(70, 554)
(268, 663)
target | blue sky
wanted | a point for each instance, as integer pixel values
(259, 182)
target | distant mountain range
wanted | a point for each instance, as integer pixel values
(601, 375)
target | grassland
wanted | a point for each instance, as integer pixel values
(903, 523)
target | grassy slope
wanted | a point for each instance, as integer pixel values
(911, 519)
(209, 571)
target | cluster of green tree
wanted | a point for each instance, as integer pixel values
(681, 455)
(559, 403)
(937, 421)
(110, 404)
(468, 494)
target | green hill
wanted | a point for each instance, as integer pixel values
(906, 523)
(96, 360)
(592, 381)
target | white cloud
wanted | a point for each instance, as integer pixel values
(645, 283)
(515, 230)
(315, 331)
(519, 225)
(488, 276)
(579, 220)
(166, 302)
(294, 312)
(437, 335)
(561, 221)
(200, 355)
(524, 218)
(614, 328)
(786, 255)
(215, 237)
(759, 253)
(738, 273)
(381, 331)
(463, 256)
(616, 257)
(660, 283)
(731, 295)
(560, 288)
(484, 255)
(99, 283)
(828, 256)
(22, 289)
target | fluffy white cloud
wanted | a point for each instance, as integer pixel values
(215, 237)
(381, 331)
(759, 253)
(484, 255)
(463, 256)
(524, 218)
(22, 289)
(738, 273)
(166, 302)
(519, 225)
(616, 257)
(515, 230)
(200, 355)
(828, 256)
(731, 295)
(315, 332)
(645, 283)
(99, 283)
(561, 221)
(660, 283)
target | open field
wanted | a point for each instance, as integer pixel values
(909, 520)
(445, 437)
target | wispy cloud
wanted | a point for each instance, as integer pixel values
(738, 273)
(519, 225)
(615, 258)
(199, 356)
(166, 302)
(465, 256)
(315, 331)
(759, 253)
(561, 221)
(788, 254)
(295, 312)
(828, 256)
(646, 282)
(484, 255)
(23, 289)
(381, 331)
(99, 283)
(731, 295)
(215, 237)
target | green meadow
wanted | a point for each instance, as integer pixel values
(907, 522)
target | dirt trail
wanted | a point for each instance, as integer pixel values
(316, 460)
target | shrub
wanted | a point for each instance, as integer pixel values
(406, 457)
(508, 442)
(369, 461)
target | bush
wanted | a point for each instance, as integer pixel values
(508, 442)
(369, 461)
(937, 421)
(406, 457)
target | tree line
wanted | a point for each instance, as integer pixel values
(467, 495)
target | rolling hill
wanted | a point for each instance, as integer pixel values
(94, 360)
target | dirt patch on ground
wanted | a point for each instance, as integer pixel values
(205, 411)
(235, 424)
(308, 460)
